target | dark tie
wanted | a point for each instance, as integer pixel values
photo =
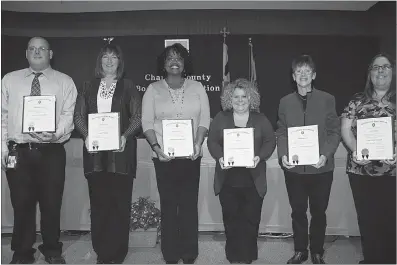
(35, 91)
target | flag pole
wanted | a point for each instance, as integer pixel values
(249, 57)
(224, 33)
(225, 69)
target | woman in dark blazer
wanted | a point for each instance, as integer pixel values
(241, 190)
(308, 184)
(110, 174)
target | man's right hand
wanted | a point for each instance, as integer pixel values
(286, 164)
(161, 156)
(4, 156)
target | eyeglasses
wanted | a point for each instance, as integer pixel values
(383, 67)
(305, 72)
(40, 49)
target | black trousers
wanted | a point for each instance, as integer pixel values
(178, 186)
(375, 201)
(39, 177)
(316, 188)
(241, 209)
(110, 199)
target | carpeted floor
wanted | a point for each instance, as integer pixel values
(78, 250)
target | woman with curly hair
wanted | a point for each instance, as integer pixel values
(241, 190)
(178, 180)
(373, 182)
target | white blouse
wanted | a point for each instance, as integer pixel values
(105, 96)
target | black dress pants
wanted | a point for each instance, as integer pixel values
(39, 177)
(375, 201)
(241, 209)
(178, 186)
(316, 188)
(110, 199)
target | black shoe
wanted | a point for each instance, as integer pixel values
(361, 262)
(99, 261)
(189, 261)
(16, 260)
(246, 262)
(317, 259)
(298, 258)
(55, 260)
(171, 261)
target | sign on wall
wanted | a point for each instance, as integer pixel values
(184, 42)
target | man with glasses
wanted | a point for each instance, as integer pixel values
(37, 173)
(308, 106)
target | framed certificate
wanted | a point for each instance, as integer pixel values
(375, 138)
(38, 114)
(178, 138)
(238, 147)
(303, 146)
(104, 131)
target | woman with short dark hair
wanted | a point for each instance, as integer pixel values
(308, 184)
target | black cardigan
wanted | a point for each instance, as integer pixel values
(264, 145)
(127, 101)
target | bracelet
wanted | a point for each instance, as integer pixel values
(154, 145)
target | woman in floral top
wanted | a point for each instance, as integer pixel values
(373, 182)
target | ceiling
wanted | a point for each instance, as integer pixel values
(108, 6)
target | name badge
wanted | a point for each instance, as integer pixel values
(12, 161)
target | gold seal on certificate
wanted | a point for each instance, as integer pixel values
(374, 139)
(178, 138)
(38, 114)
(104, 131)
(238, 147)
(303, 146)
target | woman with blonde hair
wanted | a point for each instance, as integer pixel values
(241, 190)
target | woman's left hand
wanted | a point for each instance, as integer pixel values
(197, 150)
(390, 161)
(123, 141)
(321, 161)
(256, 161)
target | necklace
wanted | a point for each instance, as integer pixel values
(177, 97)
(105, 92)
